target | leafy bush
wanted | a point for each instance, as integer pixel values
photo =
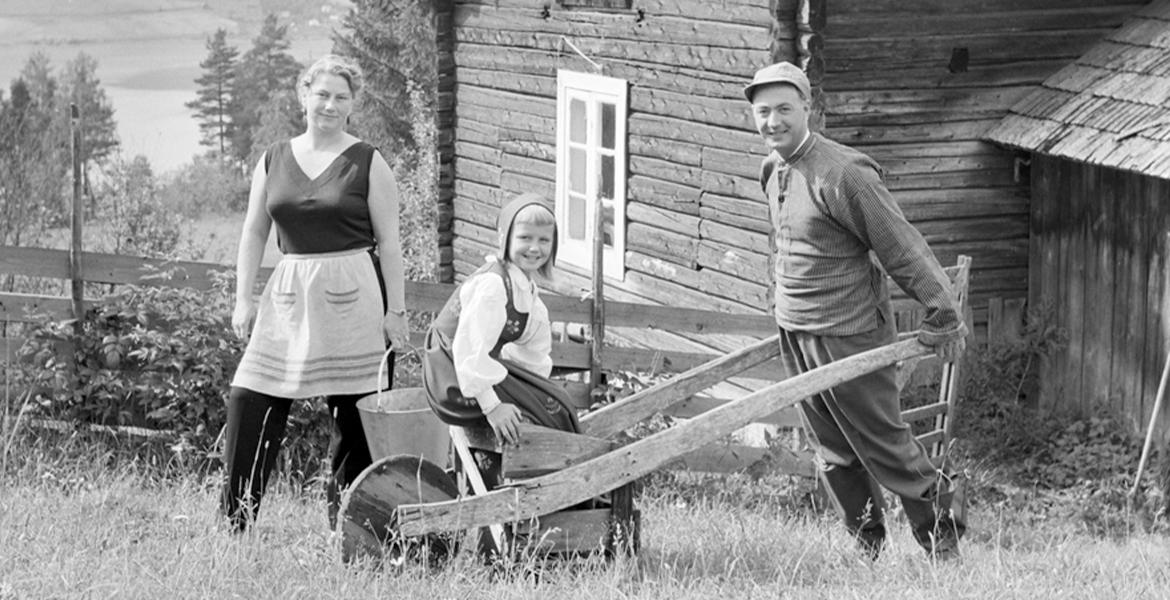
(417, 176)
(149, 356)
(160, 357)
(996, 423)
(1077, 450)
(128, 217)
(620, 385)
(206, 186)
(994, 417)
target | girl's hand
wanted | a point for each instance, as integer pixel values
(243, 317)
(505, 421)
(397, 331)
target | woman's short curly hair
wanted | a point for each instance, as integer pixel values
(333, 64)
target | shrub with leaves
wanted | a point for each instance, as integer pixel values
(206, 186)
(1033, 446)
(160, 357)
(994, 416)
(131, 220)
(1095, 448)
(155, 356)
(418, 176)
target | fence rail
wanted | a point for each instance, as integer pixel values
(420, 296)
(430, 297)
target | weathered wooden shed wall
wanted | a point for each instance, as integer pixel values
(1101, 239)
(1099, 132)
(696, 233)
(917, 83)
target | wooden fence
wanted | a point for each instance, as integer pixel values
(430, 297)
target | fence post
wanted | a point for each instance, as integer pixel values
(77, 285)
(597, 324)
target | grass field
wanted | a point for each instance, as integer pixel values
(215, 236)
(77, 522)
(80, 520)
(219, 237)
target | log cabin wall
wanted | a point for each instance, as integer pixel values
(1100, 263)
(916, 84)
(445, 133)
(696, 221)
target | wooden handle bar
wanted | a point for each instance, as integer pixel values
(552, 492)
(618, 416)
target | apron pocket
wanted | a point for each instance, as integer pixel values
(283, 304)
(342, 302)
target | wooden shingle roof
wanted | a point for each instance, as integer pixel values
(1111, 107)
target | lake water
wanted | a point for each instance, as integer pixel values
(147, 63)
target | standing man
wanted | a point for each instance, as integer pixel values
(836, 231)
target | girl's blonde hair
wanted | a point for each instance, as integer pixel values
(332, 64)
(532, 214)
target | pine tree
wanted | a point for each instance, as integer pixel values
(266, 70)
(394, 42)
(83, 88)
(278, 119)
(35, 143)
(27, 162)
(99, 131)
(215, 94)
(40, 153)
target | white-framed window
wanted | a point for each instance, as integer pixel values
(591, 169)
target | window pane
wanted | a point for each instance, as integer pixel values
(607, 224)
(577, 121)
(608, 125)
(576, 217)
(607, 175)
(577, 168)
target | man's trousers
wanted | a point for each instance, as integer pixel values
(862, 442)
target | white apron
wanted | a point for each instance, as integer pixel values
(318, 328)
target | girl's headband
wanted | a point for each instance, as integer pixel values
(508, 213)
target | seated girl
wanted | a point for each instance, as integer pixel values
(488, 352)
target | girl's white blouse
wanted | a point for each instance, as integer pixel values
(482, 318)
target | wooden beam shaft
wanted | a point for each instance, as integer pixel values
(609, 420)
(553, 492)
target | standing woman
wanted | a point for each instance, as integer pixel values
(314, 330)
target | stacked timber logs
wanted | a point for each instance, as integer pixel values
(887, 80)
(917, 83)
(810, 48)
(445, 133)
(696, 226)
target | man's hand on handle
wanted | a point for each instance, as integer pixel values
(951, 350)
